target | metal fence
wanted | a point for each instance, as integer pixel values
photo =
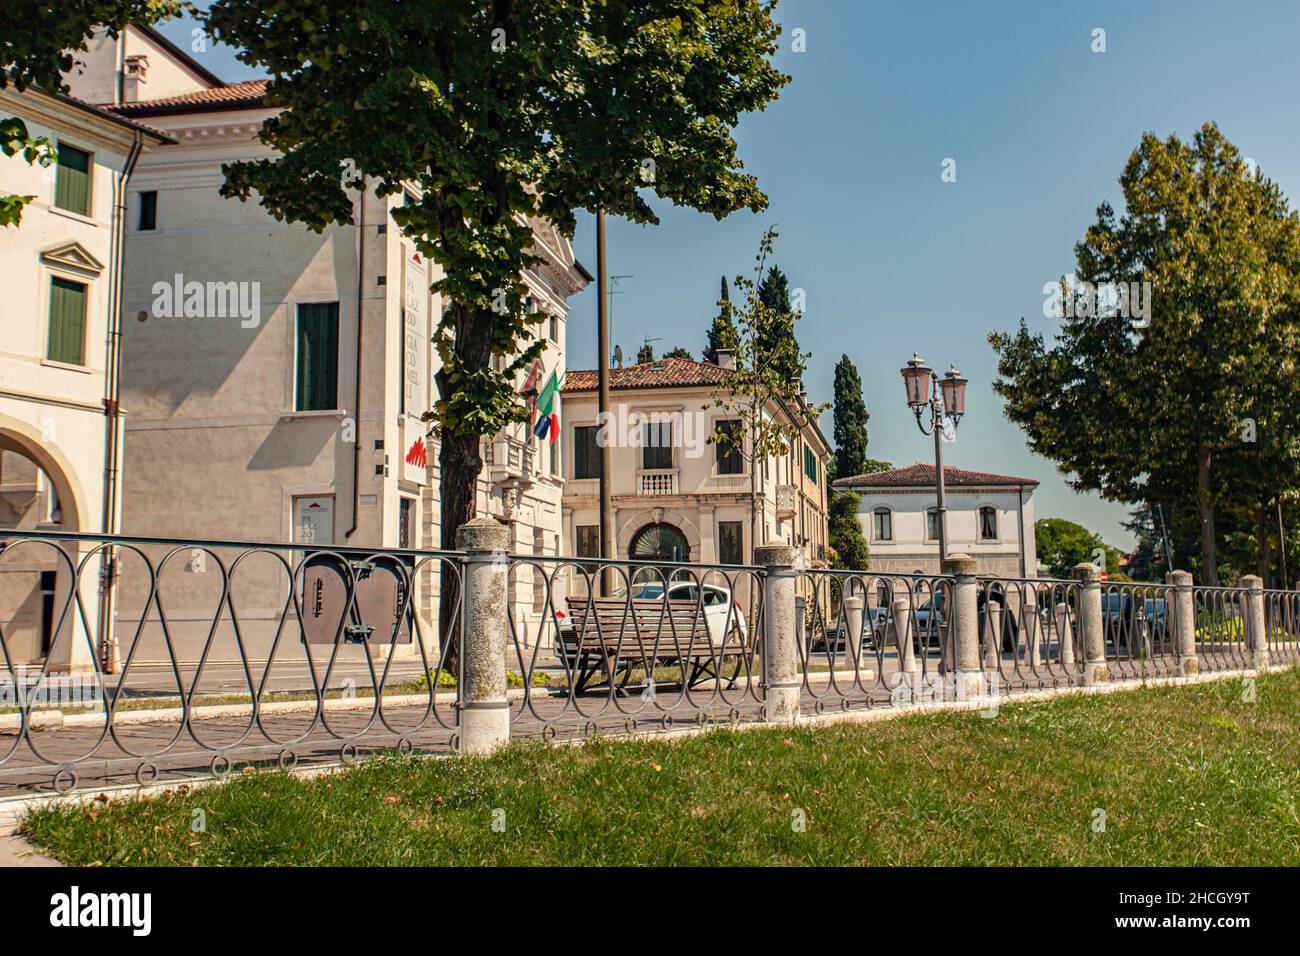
(136, 659)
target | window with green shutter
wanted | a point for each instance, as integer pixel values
(318, 356)
(72, 182)
(67, 321)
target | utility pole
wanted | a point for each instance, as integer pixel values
(602, 402)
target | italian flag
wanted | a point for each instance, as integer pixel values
(546, 407)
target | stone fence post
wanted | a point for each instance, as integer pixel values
(781, 684)
(484, 706)
(964, 626)
(1256, 627)
(1184, 622)
(1091, 627)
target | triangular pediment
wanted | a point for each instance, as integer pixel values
(72, 255)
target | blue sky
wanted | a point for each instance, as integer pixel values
(894, 260)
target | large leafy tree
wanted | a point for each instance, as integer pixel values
(499, 113)
(850, 420)
(39, 41)
(1170, 410)
(722, 333)
(1062, 544)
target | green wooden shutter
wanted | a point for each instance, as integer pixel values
(67, 321)
(72, 182)
(318, 356)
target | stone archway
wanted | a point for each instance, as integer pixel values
(659, 542)
(24, 439)
(632, 525)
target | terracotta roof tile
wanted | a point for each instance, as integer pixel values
(662, 373)
(922, 476)
(228, 95)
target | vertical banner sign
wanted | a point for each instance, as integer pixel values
(415, 363)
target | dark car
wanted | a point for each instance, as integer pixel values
(926, 631)
(1126, 615)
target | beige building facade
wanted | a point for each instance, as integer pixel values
(60, 427)
(676, 497)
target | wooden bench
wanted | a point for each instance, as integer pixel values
(612, 637)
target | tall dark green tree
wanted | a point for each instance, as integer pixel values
(1192, 398)
(681, 352)
(850, 420)
(774, 293)
(722, 333)
(847, 540)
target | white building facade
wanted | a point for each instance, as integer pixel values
(989, 516)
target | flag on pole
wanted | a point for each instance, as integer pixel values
(547, 410)
(530, 383)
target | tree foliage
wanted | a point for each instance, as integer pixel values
(850, 420)
(1202, 403)
(722, 333)
(778, 341)
(1062, 544)
(680, 352)
(846, 537)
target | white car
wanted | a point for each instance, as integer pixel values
(720, 618)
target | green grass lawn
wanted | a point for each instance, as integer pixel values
(1185, 776)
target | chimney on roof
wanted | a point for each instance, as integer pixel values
(726, 359)
(135, 79)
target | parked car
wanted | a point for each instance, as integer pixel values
(933, 610)
(1124, 617)
(717, 606)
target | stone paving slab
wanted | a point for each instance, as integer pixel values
(15, 851)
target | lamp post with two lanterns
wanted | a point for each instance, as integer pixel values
(946, 399)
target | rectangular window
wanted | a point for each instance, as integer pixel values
(67, 322)
(588, 544)
(731, 542)
(932, 525)
(406, 522)
(586, 453)
(318, 356)
(555, 458)
(148, 211)
(555, 329)
(657, 446)
(882, 525)
(810, 463)
(728, 454)
(988, 524)
(72, 180)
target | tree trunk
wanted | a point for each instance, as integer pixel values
(1263, 548)
(1209, 546)
(459, 465)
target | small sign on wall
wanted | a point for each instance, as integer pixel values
(313, 520)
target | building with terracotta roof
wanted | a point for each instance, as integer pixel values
(275, 377)
(674, 496)
(60, 431)
(990, 517)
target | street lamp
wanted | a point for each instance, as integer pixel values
(946, 396)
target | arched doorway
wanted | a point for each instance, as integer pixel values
(659, 542)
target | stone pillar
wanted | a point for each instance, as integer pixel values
(1256, 626)
(1065, 635)
(1030, 624)
(852, 610)
(1091, 627)
(900, 616)
(484, 707)
(781, 684)
(964, 626)
(1183, 625)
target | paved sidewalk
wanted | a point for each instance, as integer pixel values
(15, 851)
